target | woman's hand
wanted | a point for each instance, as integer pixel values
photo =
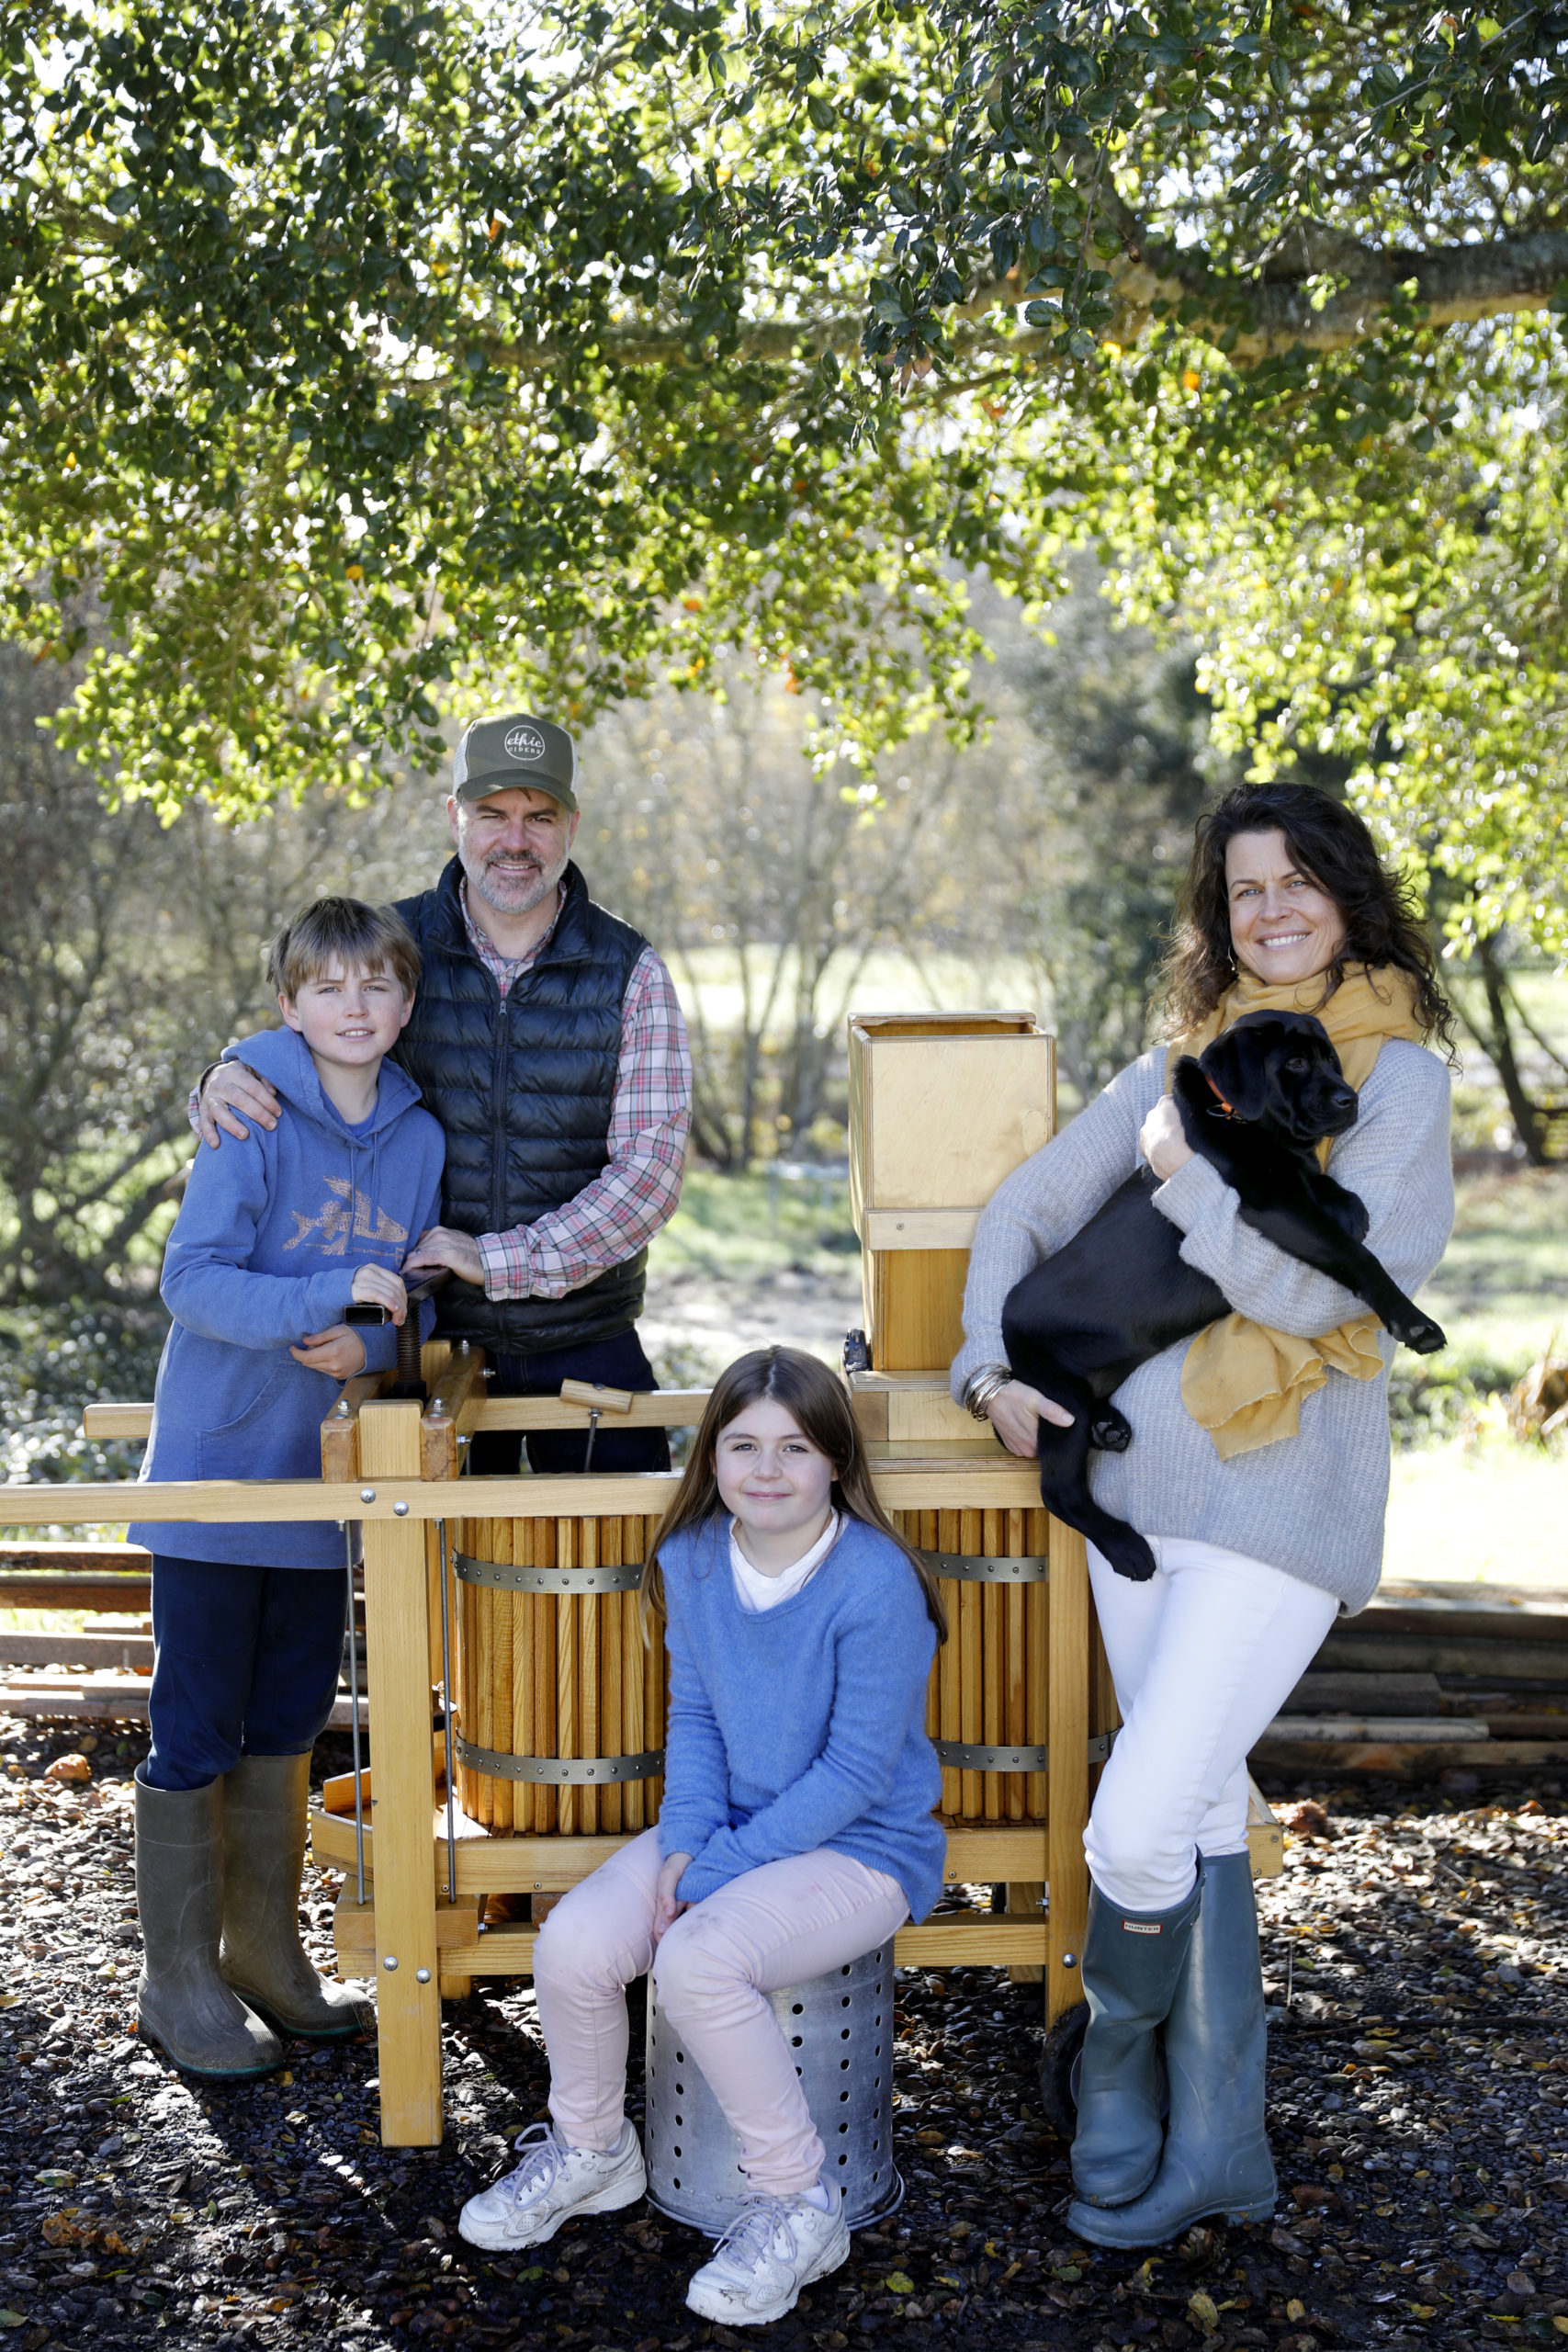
(1162, 1138)
(379, 1287)
(458, 1252)
(1016, 1412)
(666, 1909)
(339, 1353)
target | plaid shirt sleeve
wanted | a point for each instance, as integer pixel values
(650, 1117)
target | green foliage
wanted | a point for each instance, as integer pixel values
(50, 1366)
(358, 362)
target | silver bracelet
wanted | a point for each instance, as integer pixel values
(982, 1386)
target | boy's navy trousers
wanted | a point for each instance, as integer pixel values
(245, 1662)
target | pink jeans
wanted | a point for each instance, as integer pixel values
(780, 1925)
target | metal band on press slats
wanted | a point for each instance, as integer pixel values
(502, 1577)
(975, 1567)
(958, 1757)
(561, 1771)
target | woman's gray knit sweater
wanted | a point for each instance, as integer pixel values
(1314, 1504)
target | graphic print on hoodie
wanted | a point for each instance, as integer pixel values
(264, 1249)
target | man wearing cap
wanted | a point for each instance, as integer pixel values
(547, 1040)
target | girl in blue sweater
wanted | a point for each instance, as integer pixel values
(796, 1831)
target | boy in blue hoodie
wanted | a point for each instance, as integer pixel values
(275, 1236)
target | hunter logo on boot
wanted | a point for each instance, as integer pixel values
(1142, 1926)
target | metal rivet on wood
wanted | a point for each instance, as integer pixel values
(562, 1772)
(500, 1576)
(959, 1757)
(976, 1567)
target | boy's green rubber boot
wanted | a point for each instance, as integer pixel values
(1216, 2155)
(265, 1801)
(183, 2005)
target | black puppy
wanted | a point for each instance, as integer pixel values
(1254, 1104)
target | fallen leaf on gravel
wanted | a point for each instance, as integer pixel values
(69, 1768)
(896, 2283)
(1204, 2310)
(1292, 2309)
(64, 2229)
(927, 2139)
(19, 2319)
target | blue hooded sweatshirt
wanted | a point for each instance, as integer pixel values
(269, 1236)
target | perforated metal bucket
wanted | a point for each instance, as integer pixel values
(840, 2030)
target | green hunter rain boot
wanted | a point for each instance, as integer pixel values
(183, 2005)
(265, 1800)
(1216, 2151)
(1132, 1967)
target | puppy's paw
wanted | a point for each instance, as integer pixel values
(1419, 1332)
(1130, 1556)
(1111, 1431)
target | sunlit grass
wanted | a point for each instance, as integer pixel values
(1493, 1511)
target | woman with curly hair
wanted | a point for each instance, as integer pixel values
(1258, 1469)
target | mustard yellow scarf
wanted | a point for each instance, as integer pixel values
(1241, 1381)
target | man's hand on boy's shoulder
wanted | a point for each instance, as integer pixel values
(231, 1094)
(339, 1352)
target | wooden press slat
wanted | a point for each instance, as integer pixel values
(522, 1628)
(503, 1813)
(542, 1608)
(971, 1659)
(612, 1634)
(588, 1710)
(1037, 1636)
(951, 1705)
(566, 1673)
(633, 1695)
(972, 1538)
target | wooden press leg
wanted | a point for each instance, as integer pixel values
(1067, 1769)
(396, 1631)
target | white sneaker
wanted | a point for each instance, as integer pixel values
(774, 2246)
(551, 2184)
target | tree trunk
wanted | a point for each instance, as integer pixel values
(1528, 1124)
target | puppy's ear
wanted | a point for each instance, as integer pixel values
(1236, 1064)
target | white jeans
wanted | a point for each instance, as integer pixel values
(1201, 1656)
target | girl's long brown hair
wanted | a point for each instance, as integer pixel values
(1383, 922)
(814, 1399)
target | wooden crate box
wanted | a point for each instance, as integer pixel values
(943, 1105)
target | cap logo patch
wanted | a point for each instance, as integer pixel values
(525, 744)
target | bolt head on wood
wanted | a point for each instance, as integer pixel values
(366, 1493)
(399, 1510)
(390, 1961)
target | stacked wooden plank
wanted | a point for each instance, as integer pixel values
(1433, 1678)
(97, 1672)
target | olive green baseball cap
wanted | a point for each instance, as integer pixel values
(515, 749)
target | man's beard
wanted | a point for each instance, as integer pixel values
(513, 894)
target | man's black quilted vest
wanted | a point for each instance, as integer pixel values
(524, 1090)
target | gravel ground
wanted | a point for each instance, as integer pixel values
(1417, 1957)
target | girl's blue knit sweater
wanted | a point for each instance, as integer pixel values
(804, 1726)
